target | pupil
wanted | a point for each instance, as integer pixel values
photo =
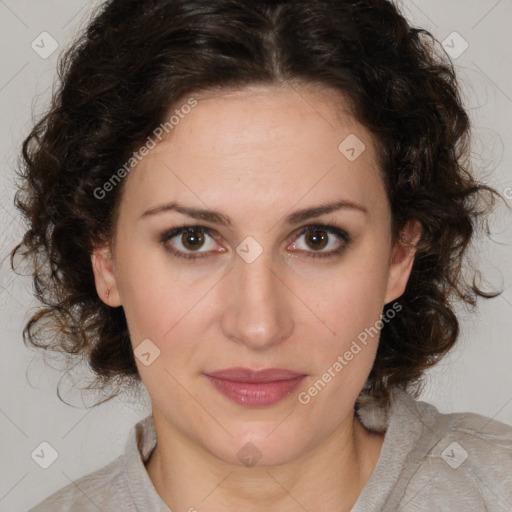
(318, 236)
(193, 239)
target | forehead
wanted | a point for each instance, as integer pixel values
(263, 145)
(258, 112)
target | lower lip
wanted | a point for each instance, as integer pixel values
(257, 394)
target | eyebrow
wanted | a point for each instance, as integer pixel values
(223, 220)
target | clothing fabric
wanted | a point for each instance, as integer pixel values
(429, 461)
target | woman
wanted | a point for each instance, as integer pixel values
(260, 210)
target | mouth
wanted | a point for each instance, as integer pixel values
(255, 388)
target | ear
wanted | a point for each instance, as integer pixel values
(104, 275)
(402, 259)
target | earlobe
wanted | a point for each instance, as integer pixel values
(104, 275)
(402, 260)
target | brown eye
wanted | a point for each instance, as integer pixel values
(317, 239)
(192, 240)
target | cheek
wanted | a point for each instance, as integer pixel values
(352, 299)
(153, 300)
(169, 307)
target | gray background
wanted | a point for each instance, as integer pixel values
(475, 376)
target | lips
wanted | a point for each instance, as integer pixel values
(255, 376)
(255, 387)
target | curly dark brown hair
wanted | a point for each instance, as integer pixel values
(137, 59)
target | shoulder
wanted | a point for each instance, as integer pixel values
(435, 461)
(92, 492)
(121, 485)
(464, 461)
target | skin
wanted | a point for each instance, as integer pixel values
(256, 155)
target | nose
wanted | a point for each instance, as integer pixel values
(259, 311)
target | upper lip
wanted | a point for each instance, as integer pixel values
(255, 376)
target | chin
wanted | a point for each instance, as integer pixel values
(257, 448)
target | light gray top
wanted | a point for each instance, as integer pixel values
(428, 462)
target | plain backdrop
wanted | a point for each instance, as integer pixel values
(476, 376)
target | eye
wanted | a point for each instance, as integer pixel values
(319, 237)
(192, 242)
(188, 238)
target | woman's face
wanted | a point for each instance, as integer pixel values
(251, 287)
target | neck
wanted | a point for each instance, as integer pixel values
(334, 473)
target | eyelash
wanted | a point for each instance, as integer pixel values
(331, 230)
